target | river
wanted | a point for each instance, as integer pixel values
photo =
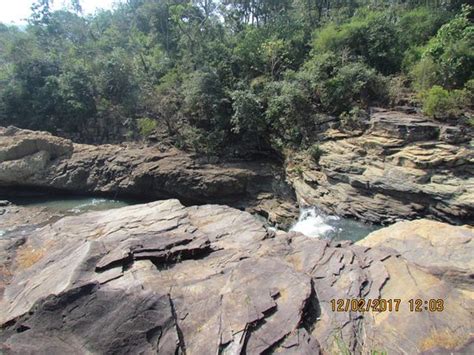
(311, 222)
(314, 223)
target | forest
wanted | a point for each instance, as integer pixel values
(233, 76)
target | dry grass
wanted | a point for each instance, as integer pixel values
(26, 256)
(445, 339)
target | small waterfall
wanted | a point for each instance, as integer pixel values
(313, 223)
(316, 224)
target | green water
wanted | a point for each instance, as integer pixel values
(311, 222)
(71, 204)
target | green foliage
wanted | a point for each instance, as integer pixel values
(418, 25)
(247, 112)
(288, 109)
(450, 54)
(441, 103)
(315, 152)
(355, 119)
(205, 102)
(255, 74)
(340, 85)
(373, 36)
(146, 126)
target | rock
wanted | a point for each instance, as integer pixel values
(41, 160)
(165, 278)
(400, 168)
(4, 203)
(430, 245)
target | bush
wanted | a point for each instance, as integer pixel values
(425, 74)
(288, 109)
(418, 25)
(315, 152)
(146, 126)
(205, 102)
(398, 90)
(440, 103)
(355, 119)
(371, 36)
(352, 84)
(201, 141)
(450, 55)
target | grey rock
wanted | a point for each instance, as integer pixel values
(165, 278)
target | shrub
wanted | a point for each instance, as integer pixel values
(418, 25)
(371, 36)
(425, 74)
(441, 103)
(355, 119)
(350, 85)
(247, 112)
(451, 51)
(315, 152)
(146, 126)
(205, 102)
(200, 141)
(288, 109)
(398, 90)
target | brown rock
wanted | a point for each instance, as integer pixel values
(38, 159)
(165, 278)
(398, 169)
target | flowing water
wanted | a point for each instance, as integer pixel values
(314, 223)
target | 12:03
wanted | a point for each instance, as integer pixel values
(432, 305)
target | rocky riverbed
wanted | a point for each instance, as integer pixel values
(195, 277)
(41, 160)
(398, 166)
(211, 279)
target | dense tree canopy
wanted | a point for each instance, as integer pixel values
(217, 73)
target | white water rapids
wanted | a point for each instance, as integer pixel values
(314, 223)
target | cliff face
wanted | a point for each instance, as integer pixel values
(38, 159)
(400, 167)
(164, 278)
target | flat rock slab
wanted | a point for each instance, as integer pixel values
(165, 278)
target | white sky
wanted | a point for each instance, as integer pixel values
(15, 11)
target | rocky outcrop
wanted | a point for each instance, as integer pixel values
(165, 278)
(38, 159)
(402, 167)
(431, 246)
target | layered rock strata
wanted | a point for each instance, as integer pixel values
(401, 167)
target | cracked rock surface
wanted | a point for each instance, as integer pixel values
(164, 278)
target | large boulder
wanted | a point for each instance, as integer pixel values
(165, 278)
(402, 167)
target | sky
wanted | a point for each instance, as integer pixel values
(15, 11)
